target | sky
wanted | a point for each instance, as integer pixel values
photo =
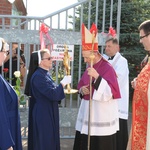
(40, 8)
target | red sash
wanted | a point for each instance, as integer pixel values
(140, 110)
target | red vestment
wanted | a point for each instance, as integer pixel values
(140, 110)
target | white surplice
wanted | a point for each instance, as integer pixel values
(120, 65)
(104, 113)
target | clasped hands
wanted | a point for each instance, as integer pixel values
(84, 90)
(91, 72)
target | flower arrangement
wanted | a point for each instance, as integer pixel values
(17, 88)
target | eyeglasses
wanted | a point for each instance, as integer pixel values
(49, 58)
(141, 37)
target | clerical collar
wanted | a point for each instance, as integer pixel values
(111, 58)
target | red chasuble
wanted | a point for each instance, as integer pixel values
(140, 110)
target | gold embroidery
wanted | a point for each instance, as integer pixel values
(140, 110)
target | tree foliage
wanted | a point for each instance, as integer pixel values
(133, 13)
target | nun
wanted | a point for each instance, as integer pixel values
(10, 132)
(45, 94)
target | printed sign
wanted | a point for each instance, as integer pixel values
(58, 52)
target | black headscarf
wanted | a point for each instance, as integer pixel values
(32, 67)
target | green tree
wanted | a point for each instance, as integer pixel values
(133, 13)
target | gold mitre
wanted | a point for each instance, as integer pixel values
(87, 38)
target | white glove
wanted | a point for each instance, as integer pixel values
(66, 80)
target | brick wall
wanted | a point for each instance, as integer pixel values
(20, 7)
(5, 9)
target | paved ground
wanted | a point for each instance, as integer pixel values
(66, 144)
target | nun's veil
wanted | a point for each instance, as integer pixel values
(32, 67)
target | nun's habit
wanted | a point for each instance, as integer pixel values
(43, 109)
(10, 133)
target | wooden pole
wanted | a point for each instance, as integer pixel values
(90, 101)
